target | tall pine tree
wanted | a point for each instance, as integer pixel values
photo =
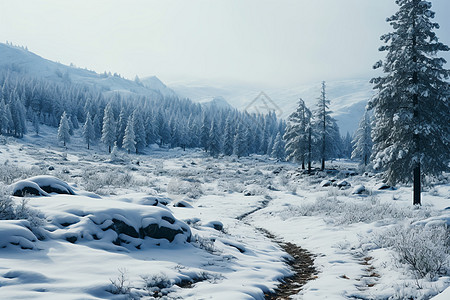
(109, 127)
(325, 127)
(362, 141)
(297, 134)
(412, 114)
(63, 129)
(88, 130)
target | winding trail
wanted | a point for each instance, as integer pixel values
(301, 262)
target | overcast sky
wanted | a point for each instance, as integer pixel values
(279, 43)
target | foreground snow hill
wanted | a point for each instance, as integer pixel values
(182, 225)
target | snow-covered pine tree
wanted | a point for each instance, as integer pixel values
(411, 135)
(204, 131)
(129, 142)
(347, 146)
(139, 130)
(228, 137)
(278, 148)
(88, 130)
(97, 127)
(240, 141)
(214, 142)
(35, 122)
(109, 127)
(362, 141)
(296, 135)
(4, 122)
(121, 125)
(325, 127)
(63, 129)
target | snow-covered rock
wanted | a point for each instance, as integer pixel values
(51, 184)
(342, 184)
(24, 188)
(16, 233)
(41, 185)
(325, 183)
(359, 189)
(182, 203)
(217, 225)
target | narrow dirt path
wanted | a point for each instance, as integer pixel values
(301, 262)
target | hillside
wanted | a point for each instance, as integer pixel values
(22, 60)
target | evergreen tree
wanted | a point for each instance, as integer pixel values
(63, 129)
(240, 141)
(326, 128)
(362, 141)
(347, 146)
(278, 148)
(228, 137)
(88, 130)
(298, 143)
(122, 124)
(411, 109)
(35, 121)
(139, 130)
(4, 122)
(97, 127)
(204, 132)
(214, 142)
(129, 142)
(109, 127)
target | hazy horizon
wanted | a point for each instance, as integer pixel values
(275, 43)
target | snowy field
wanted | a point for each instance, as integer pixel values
(175, 225)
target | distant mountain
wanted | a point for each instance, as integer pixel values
(217, 102)
(348, 98)
(22, 60)
(154, 83)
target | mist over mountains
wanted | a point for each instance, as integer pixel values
(348, 97)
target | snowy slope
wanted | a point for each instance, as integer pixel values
(348, 97)
(88, 240)
(22, 60)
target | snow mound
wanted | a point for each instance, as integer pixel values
(51, 184)
(24, 188)
(359, 189)
(41, 185)
(16, 233)
(110, 224)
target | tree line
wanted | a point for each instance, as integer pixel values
(131, 122)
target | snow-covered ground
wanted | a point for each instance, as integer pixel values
(97, 243)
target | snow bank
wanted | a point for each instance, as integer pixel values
(25, 188)
(107, 223)
(16, 233)
(41, 185)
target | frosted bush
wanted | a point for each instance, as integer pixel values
(342, 212)
(102, 183)
(425, 249)
(191, 189)
(10, 173)
(9, 210)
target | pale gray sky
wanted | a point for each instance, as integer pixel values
(276, 42)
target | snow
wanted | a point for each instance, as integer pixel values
(24, 60)
(91, 236)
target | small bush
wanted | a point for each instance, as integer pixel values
(425, 249)
(342, 212)
(10, 173)
(120, 285)
(9, 210)
(191, 189)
